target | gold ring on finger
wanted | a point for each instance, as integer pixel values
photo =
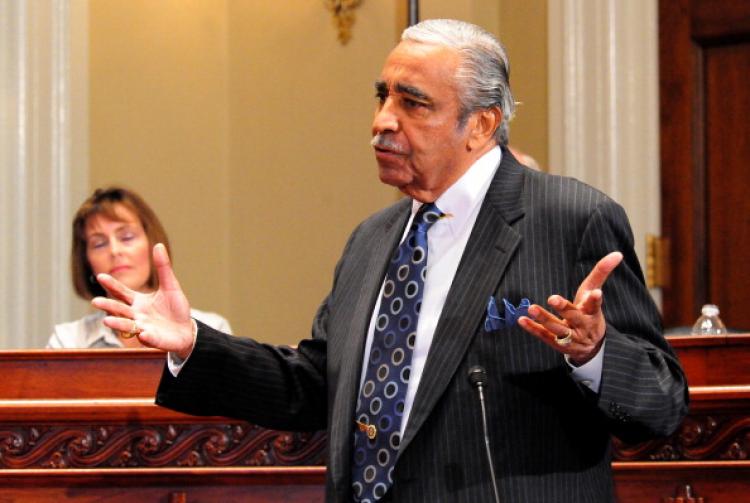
(566, 339)
(134, 330)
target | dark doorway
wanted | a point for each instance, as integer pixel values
(704, 80)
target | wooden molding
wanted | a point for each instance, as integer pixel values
(146, 445)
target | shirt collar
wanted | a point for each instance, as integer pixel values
(462, 199)
(100, 332)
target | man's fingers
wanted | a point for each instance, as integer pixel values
(119, 324)
(601, 271)
(541, 315)
(561, 304)
(113, 307)
(542, 332)
(149, 340)
(537, 329)
(115, 288)
(567, 310)
(543, 318)
(592, 302)
(167, 279)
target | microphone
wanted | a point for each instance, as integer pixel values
(478, 379)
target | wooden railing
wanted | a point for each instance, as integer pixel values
(82, 425)
(708, 459)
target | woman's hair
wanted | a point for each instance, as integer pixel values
(104, 202)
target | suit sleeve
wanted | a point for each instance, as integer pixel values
(643, 391)
(275, 387)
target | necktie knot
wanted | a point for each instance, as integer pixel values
(427, 215)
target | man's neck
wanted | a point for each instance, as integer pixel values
(431, 195)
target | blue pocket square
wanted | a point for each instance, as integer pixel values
(494, 321)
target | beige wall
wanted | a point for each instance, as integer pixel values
(521, 25)
(158, 124)
(302, 172)
(523, 31)
(246, 126)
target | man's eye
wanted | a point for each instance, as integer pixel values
(380, 97)
(410, 103)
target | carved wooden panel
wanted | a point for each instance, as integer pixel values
(99, 437)
(155, 445)
(700, 438)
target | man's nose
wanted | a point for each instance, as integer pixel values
(386, 118)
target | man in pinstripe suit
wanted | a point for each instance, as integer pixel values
(560, 381)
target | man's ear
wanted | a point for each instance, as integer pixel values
(483, 124)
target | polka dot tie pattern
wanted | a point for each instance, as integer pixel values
(381, 401)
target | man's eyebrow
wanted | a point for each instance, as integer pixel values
(414, 91)
(381, 87)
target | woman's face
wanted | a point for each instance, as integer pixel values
(119, 248)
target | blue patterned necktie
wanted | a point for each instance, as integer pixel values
(380, 406)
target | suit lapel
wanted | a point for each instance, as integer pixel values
(488, 252)
(380, 244)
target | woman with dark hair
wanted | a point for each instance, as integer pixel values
(114, 232)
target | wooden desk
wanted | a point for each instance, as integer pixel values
(82, 425)
(711, 451)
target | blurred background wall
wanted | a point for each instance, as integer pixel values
(246, 126)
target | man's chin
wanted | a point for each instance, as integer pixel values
(394, 181)
(393, 176)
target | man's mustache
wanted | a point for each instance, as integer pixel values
(385, 142)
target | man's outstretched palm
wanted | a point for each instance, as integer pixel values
(162, 317)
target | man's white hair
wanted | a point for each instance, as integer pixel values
(483, 73)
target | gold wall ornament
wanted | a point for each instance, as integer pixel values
(343, 16)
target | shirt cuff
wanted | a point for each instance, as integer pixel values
(174, 362)
(590, 373)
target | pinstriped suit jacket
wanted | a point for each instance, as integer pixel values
(536, 235)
